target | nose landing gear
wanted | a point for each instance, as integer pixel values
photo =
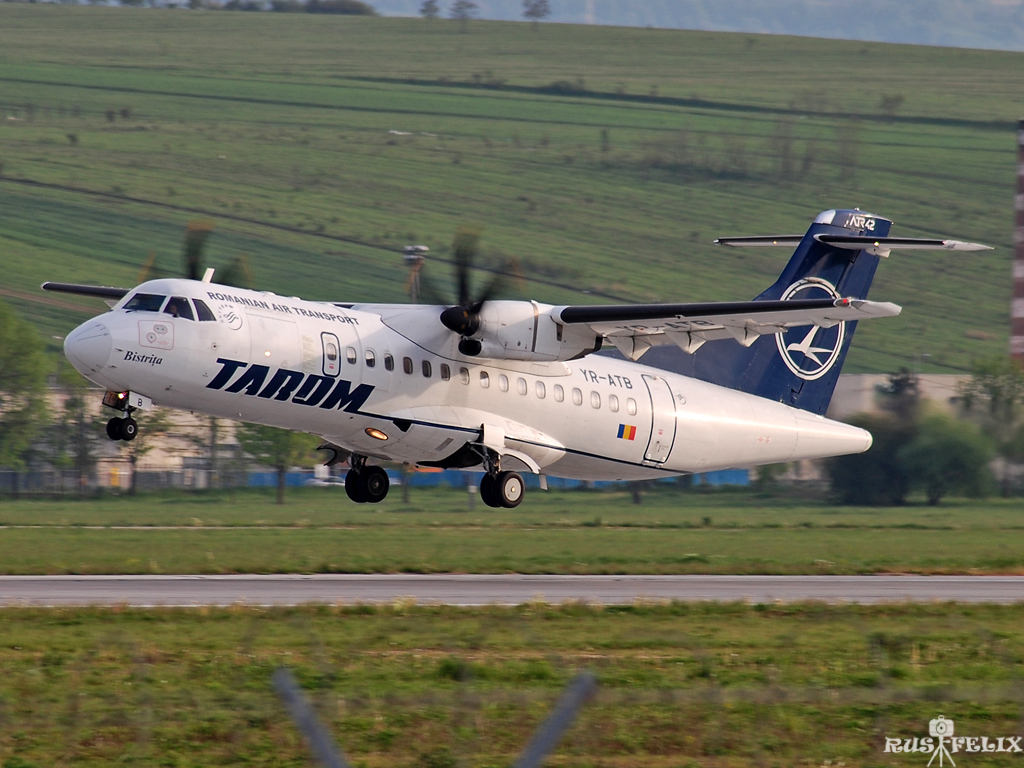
(366, 485)
(124, 427)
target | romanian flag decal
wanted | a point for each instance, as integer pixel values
(627, 432)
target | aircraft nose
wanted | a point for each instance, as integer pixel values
(88, 347)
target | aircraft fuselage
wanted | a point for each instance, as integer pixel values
(349, 372)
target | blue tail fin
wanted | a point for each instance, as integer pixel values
(799, 367)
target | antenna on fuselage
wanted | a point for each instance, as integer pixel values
(208, 275)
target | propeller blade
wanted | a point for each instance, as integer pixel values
(238, 273)
(464, 317)
(429, 292)
(150, 271)
(494, 287)
(465, 251)
(195, 238)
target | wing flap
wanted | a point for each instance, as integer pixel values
(634, 329)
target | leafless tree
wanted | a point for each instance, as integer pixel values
(536, 11)
(462, 11)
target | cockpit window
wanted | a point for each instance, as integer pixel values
(178, 306)
(144, 302)
(205, 315)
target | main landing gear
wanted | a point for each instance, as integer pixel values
(500, 489)
(366, 485)
(122, 428)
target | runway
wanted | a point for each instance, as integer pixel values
(513, 589)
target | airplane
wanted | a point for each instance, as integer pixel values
(509, 387)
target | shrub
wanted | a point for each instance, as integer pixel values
(947, 455)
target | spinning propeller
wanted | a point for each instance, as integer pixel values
(463, 317)
(237, 273)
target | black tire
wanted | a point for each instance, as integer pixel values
(487, 491)
(375, 484)
(509, 489)
(114, 428)
(354, 486)
(129, 428)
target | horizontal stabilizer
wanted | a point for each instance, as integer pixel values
(756, 242)
(880, 246)
(99, 291)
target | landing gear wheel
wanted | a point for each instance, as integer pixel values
(354, 486)
(375, 484)
(488, 484)
(122, 429)
(509, 489)
(129, 428)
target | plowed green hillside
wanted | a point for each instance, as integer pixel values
(605, 160)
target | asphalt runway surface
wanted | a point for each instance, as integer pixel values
(513, 589)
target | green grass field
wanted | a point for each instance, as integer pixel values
(702, 685)
(558, 532)
(610, 183)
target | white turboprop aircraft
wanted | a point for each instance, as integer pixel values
(510, 386)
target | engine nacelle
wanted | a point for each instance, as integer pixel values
(526, 330)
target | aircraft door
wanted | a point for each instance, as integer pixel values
(275, 342)
(663, 420)
(331, 349)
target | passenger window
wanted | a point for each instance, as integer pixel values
(485, 379)
(407, 365)
(541, 390)
(464, 375)
(631, 406)
(559, 393)
(503, 383)
(371, 358)
(521, 386)
(205, 315)
(613, 403)
(595, 400)
(446, 372)
(577, 397)
(144, 302)
(427, 370)
(389, 362)
(350, 355)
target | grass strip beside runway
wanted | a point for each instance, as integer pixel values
(319, 531)
(710, 685)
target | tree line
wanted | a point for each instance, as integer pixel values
(915, 449)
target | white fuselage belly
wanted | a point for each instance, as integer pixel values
(615, 419)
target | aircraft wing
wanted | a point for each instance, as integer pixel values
(100, 291)
(635, 328)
